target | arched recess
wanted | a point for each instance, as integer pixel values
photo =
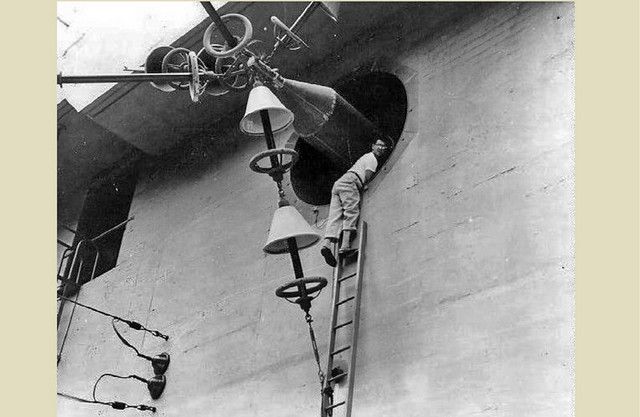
(387, 94)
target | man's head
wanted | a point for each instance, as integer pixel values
(379, 148)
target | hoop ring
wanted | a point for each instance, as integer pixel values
(285, 291)
(253, 164)
(223, 52)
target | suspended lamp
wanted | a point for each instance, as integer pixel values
(261, 100)
(287, 224)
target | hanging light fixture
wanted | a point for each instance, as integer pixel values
(288, 224)
(261, 100)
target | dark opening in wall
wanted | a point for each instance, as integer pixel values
(382, 99)
(106, 205)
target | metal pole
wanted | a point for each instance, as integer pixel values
(116, 227)
(305, 15)
(268, 135)
(116, 78)
(213, 14)
(300, 20)
(295, 257)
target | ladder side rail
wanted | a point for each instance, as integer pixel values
(335, 294)
(356, 317)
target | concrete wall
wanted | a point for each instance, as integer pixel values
(467, 302)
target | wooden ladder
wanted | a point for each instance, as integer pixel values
(348, 270)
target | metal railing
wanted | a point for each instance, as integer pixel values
(73, 273)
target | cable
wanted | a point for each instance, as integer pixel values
(113, 404)
(115, 376)
(82, 400)
(133, 324)
(126, 343)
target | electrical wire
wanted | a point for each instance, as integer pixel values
(126, 343)
(82, 400)
(95, 386)
(118, 405)
(133, 324)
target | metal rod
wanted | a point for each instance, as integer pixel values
(95, 265)
(301, 19)
(304, 15)
(64, 289)
(64, 226)
(356, 316)
(335, 352)
(114, 228)
(334, 406)
(343, 324)
(268, 135)
(347, 277)
(116, 78)
(337, 377)
(65, 254)
(295, 257)
(61, 243)
(213, 14)
(337, 272)
(345, 300)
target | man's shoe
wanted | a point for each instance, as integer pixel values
(327, 253)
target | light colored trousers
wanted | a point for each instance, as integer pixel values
(345, 205)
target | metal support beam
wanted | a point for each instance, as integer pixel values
(213, 14)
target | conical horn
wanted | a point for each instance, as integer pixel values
(328, 122)
(261, 98)
(288, 223)
(153, 64)
(332, 9)
(312, 104)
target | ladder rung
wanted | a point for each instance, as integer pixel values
(345, 300)
(331, 407)
(343, 324)
(347, 277)
(335, 352)
(337, 377)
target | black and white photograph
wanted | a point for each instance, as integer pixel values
(329, 209)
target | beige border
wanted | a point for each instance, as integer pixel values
(607, 208)
(28, 209)
(606, 190)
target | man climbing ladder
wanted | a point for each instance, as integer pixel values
(346, 193)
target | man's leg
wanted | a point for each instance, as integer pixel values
(332, 229)
(350, 198)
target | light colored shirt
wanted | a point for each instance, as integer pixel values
(367, 162)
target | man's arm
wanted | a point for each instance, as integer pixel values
(368, 174)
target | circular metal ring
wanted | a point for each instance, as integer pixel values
(180, 66)
(195, 89)
(258, 49)
(223, 52)
(285, 291)
(253, 164)
(213, 87)
(234, 73)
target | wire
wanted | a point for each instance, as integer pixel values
(133, 324)
(82, 400)
(126, 343)
(113, 404)
(114, 376)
